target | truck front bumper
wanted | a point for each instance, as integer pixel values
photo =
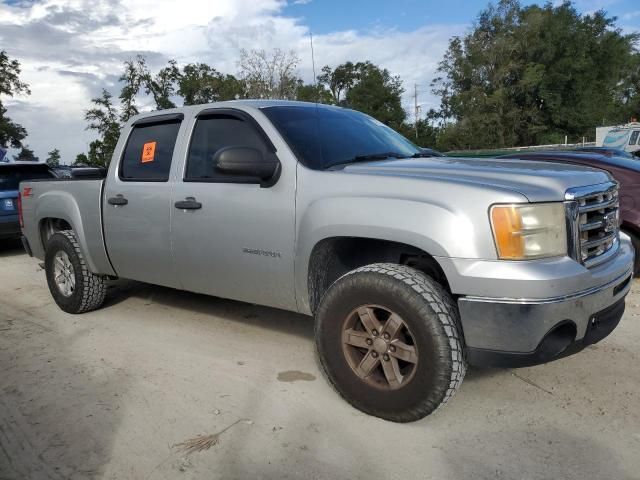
(517, 332)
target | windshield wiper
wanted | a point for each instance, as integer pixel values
(422, 155)
(369, 157)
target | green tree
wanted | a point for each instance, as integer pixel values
(26, 155)
(162, 86)
(53, 158)
(367, 88)
(313, 93)
(200, 83)
(338, 80)
(377, 93)
(11, 133)
(103, 118)
(99, 154)
(426, 133)
(532, 75)
(132, 78)
(630, 91)
(81, 160)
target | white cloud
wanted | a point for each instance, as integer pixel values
(630, 15)
(71, 49)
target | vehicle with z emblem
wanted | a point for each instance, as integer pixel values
(413, 266)
(11, 174)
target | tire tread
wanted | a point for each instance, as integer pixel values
(442, 304)
(94, 287)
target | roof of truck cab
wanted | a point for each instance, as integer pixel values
(256, 103)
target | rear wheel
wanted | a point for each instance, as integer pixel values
(72, 285)
(388, 338)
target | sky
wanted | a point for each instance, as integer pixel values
(71, 49)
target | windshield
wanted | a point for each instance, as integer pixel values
(616, 139)
(324, 136)
(12, 175)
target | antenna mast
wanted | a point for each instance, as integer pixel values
(313, 62)
(416, 108)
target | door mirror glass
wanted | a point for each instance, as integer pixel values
(245, 161)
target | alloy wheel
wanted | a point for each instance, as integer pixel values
(64, 274)
(379, 347)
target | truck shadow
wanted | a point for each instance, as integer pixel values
(246, 313)
(58, 416)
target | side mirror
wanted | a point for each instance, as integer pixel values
(246, 161)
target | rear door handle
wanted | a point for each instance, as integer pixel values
(188, 203)
(117, 200)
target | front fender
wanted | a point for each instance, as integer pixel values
(431, 227)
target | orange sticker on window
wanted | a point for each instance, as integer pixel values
(148, 152)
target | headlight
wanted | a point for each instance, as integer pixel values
(526, 231)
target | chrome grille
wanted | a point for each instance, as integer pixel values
(596, 222)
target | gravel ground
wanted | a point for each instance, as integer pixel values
(114, 393)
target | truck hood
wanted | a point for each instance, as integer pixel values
(538, 181)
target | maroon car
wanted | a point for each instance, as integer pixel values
(625, 170)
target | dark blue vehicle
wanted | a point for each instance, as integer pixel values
(11, 174)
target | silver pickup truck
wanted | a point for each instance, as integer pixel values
(413, 267)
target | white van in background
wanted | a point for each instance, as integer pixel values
(625, 137)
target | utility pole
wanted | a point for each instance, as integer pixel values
(415, 103)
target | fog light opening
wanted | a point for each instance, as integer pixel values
(557, 340)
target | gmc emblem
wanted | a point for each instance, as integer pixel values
(27, 191)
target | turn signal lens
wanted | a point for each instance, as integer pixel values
(528, 231)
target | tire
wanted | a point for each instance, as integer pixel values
(89, 290)
(431, 329)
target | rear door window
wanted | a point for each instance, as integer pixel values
(634, 137)
(147, 156)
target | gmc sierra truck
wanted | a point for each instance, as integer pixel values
(413, 266)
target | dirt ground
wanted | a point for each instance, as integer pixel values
(113, 394)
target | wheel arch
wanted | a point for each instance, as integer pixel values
(332, 257)
(58, 210)
(634, 232)
(631, 228)
(429, 229)
(49, 226)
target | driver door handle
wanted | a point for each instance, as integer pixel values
(188, 203)
(117, 200)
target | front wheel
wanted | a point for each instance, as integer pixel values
(388, 337)
(72, 285)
